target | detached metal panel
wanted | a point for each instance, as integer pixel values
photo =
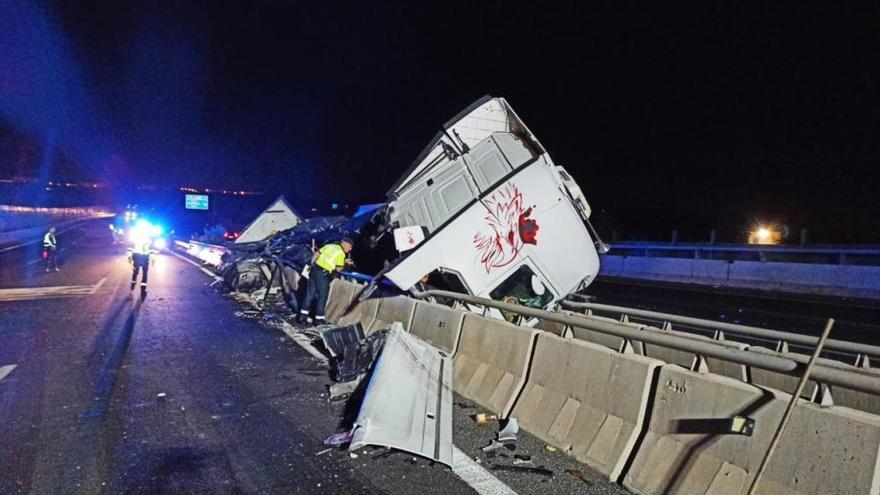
(408, 402)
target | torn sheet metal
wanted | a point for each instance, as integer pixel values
(408, 402)
(336, 340)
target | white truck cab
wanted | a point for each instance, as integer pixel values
(485, 211)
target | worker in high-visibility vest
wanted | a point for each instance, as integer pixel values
(50, 250)
(326, 262)
(139, 257)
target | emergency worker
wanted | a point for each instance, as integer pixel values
(139, 257)
(50, 250)
(326, 263)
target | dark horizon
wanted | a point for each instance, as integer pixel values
(695, 118)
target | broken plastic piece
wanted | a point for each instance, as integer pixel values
(510, 431)
(337, 439)
(550, 448)
(491, 450)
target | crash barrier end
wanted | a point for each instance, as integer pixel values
(437, 325)
(691, 448)
(491, 361)
(587, 400)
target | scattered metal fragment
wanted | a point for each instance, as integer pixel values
(492, 449)
(543, 471)
(408, 402)
(483, 419)
(337, 340)
(323, 452)
(341, 389)
(337, 439)
(495, 447)
(523, 457)
(510, 431)
(352, 455)
(577, 473)
(161, 395)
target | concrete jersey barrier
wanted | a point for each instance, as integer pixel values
(491, 361)
(586, 399)
(391, 309)
(825, 450)
(342, 293)
(437, 325)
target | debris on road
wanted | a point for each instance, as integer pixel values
(493, 448)
(408, 402)
(509, 432)
(543, 471)
(338, 439)
(577, 473)
(550, 448)
(482, 419)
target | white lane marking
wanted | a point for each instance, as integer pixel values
(28, 293)
(98, 285)
(475, 475)
(200, 267)
(6, 370)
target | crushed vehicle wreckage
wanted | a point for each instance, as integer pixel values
(483, 210)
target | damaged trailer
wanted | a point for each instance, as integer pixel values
(483, 210)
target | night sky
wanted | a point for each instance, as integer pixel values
(689, 116)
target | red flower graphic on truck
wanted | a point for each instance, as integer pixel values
(509, 228)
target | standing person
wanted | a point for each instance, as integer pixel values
(50, 246)
(326, 263)
(139, 256)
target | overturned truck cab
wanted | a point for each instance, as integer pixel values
(484, 210)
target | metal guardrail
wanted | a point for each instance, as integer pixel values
(833, 254)
(851, 379)
(732, 328)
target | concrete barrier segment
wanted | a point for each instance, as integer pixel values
(391, 309)
(342, 293)
(491, 361)
(437, 325)
(688, 447)
(586, 399)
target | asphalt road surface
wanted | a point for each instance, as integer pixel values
(104, 392)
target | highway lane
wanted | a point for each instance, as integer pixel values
(170, 394)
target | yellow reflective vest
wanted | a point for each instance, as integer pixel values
(330, 257)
